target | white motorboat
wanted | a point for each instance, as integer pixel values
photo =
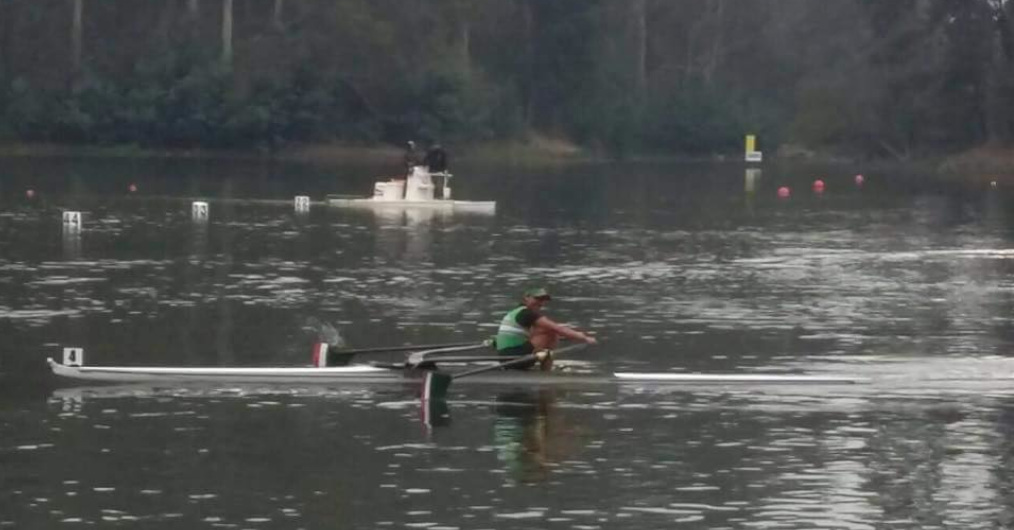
(416, 191)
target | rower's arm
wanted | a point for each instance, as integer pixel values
(570, 333)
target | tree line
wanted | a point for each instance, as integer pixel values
(894, 78)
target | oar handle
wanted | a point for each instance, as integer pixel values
(435, 384)
(530, 358)
(501, 366)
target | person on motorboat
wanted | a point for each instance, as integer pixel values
(411, 158)
(436, 163)
(436, 159)
(524, 330)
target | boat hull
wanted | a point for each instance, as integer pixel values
(368, 374)
(434, 204)
(125, 374)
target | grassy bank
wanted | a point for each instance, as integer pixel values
(984, 163)
(981, 164)
(536, 151)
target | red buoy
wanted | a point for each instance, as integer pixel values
(784, 192)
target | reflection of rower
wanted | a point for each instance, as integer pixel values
(528, 434)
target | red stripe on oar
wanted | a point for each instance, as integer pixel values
(427, 386)
(320, 355)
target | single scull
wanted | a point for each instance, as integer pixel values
(73, 367)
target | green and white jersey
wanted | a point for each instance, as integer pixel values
(515, 327)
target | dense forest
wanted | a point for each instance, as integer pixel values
(880, 78)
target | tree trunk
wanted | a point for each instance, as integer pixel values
(75, 43)
(227, 33)
(6, 28)
(1005, 34)
(465, 44)
(717, 41)
(276, 18)
(193, 19)
(640, 44)
(999, 97)
(528, 37)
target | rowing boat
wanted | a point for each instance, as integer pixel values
(365, 373)
(73, 367)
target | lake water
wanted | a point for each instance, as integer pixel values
(903, 281)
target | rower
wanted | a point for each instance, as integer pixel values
(524, 330)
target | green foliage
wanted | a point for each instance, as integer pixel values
(27, 111)
(694, 119)
(450, 105)
(697, 119)
(887, 77)
(6, 128)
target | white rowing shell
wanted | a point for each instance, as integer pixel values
(252, 374)
(366, 373)
(732, 378)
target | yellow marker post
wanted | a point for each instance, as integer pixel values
(752, 154)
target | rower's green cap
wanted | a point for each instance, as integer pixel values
(538, 292)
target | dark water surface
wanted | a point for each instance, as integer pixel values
(903, 281)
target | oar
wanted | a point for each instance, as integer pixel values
(436, 384)
(336, 357)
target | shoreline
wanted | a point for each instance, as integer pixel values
(978, 164)
(538, 151)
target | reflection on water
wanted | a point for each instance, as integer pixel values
(71, 243)
(751, 179)
(527, 434)
(407, 235)
(521, 458)
(685, 268)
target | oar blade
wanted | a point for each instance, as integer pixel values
(435, 413)
(325, 355)
(435, 386)
(320, 350)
